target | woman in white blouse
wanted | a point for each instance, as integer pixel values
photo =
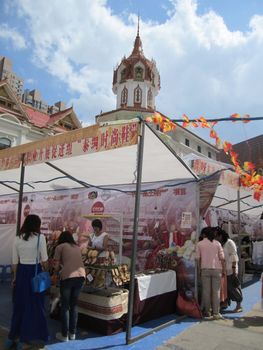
(28, 320)
(99, 239)
(234, 292)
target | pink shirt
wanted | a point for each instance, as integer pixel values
(69, 256)
(210, 253)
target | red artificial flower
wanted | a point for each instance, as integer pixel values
(185, 118)
(186, 121)
(213, 134)
(246, 116)
(204, 123)
(227, 146)
(257, 195)
(248, 166)
(218, 141)
(234, 116)
(149, 119)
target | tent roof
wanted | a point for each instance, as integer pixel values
(226, 193)
(226, 198)
(107, 167)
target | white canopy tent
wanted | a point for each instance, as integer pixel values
(112, 167)
(110, 154)
(228, 195)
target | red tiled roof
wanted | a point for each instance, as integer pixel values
(36, 117)
(59, 115)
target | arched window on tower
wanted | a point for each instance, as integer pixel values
(124, 96)
(137, 96)
(123, 75)
(138, 73)
(150, 99)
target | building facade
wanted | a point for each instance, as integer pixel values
(21, 123)
(136, 83)
(6, 72)
(251, 149)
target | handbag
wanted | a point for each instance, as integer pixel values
(187, 305)
(41, 281)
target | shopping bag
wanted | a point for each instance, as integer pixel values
(235, 280)
(187, 306)
(41, 282)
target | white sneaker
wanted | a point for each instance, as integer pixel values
(60, 337)
(218, 317)
(72, 336)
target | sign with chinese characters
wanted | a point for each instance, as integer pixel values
(186, 221)
(203, 168)
(79, 142)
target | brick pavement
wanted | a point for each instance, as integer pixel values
(240, 333)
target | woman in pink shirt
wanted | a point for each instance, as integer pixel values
(72, 275)
(210, 258)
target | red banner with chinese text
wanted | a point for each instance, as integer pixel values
(78, 142)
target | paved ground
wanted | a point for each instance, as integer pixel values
(3, 336)
(237, 331)
(244, 333)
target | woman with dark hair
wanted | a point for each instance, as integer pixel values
(210, 259)
(28, 320)
(72, 276)
(234, 291)
(99, 239)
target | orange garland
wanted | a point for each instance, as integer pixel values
(248, 177)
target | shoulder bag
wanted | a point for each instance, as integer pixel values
(41, 281)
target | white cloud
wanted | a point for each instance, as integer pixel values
(12, 35)
(205, 68)
(30, 81)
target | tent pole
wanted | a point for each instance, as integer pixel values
(20, 197)
(198, 226)
(135, 231)
(68, 175)
(238, 230)
(11, 188)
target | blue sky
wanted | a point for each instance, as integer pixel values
(209, 54)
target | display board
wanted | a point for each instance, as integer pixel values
(168, 219)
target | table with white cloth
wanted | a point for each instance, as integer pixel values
(105, 310)
(154, 296)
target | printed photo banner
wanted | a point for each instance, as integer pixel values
(167, 222)
(207, 191)
(204, 168)
(78, 142)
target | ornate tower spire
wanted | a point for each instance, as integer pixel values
(138, 25)
(136, 80)
(137, 49)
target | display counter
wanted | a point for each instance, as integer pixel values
(154, 296)
(105, 304)
(105, 310)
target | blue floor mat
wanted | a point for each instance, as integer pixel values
(94, 341)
